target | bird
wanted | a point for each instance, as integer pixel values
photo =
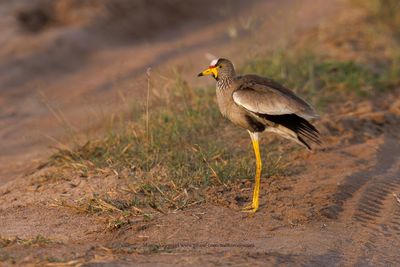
(260, 104)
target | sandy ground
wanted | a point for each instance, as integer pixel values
(339, 210)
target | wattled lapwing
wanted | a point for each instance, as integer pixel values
(259, 104)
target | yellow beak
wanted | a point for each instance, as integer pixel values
(210, 71)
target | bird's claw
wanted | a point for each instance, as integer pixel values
(250, 208)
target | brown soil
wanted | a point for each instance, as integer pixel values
(336, 209)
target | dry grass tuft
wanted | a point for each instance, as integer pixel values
(165, 159)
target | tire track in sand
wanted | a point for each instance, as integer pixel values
(375, 214)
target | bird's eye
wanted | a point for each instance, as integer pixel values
(220, 67)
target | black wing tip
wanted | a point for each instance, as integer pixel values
(307, 145)
(304, 143)
(310, 134)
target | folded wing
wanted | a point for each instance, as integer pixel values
(265, 96)
(282, 110)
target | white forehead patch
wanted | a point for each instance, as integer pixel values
(214, 62)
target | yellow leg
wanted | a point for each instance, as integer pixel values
(256, 192)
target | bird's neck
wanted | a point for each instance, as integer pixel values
(224, 83)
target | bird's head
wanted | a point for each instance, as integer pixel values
(220, 69)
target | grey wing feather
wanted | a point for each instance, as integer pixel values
(265, 96)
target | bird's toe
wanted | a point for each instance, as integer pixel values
(251, 208)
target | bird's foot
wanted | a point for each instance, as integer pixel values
(250, 208)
